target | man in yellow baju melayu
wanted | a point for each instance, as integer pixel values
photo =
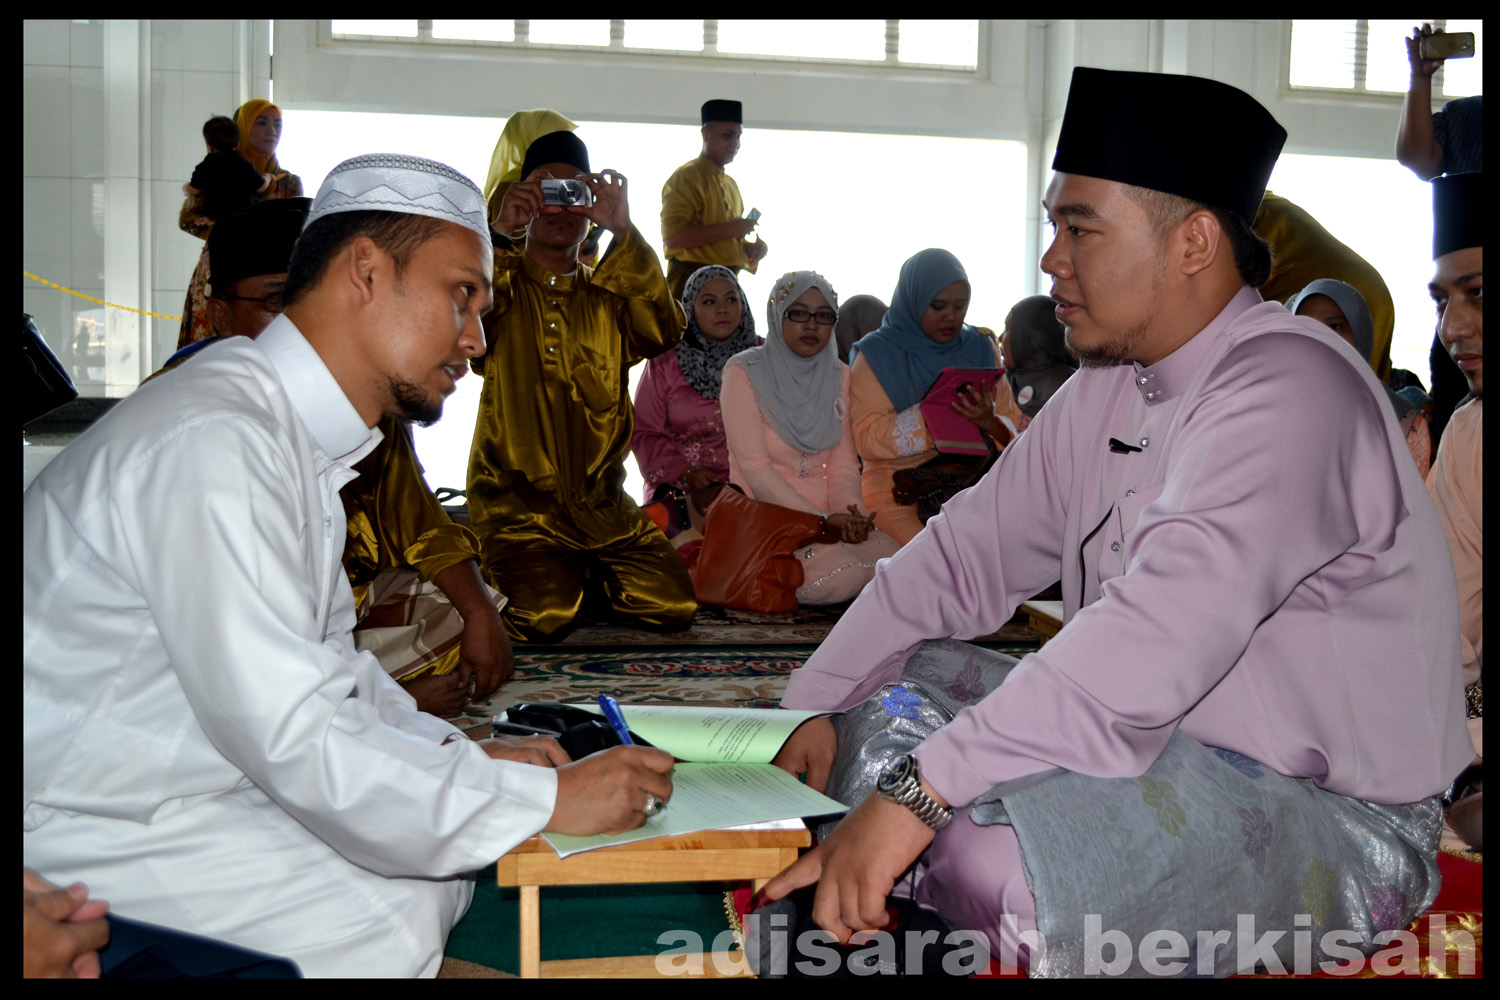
(701, 207)
(557, 533)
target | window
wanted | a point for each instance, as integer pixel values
(1369, 56)
(804, 39)
(944, 45)
(484, 31)
(561, 32)
(1465, 77)
(397, 29)
(678, 36)
(939, 43)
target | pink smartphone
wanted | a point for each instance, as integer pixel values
(951, 432)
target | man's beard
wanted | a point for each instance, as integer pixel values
(1111, 352)
(1126, 346)
(413, 404)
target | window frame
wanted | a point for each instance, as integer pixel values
(523, 46)
(1361, 68)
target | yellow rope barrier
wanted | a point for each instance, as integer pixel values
(112, 305)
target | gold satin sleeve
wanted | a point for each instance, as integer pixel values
(394, 520)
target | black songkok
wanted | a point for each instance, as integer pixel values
(255, 242)
(1456, 211)
(556, 147)
(722, 111)
(1185, 135)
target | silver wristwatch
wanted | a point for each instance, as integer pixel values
(900, 781)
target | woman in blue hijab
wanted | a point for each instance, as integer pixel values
(893, 367)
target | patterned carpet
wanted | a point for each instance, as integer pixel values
(727, 657)
(728, 627)
(743, 676)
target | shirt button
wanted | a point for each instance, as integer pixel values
(551, 350)
(1114, 546)
(1153, 394)
(1130, 493)
(1143, 380)
(1145, 442)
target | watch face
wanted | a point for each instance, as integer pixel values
(893, 774)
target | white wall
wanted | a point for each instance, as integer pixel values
(62, 167)
(112, 113)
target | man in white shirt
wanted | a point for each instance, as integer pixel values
(203, 745)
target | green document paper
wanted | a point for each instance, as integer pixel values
(711, 796)
(714, 735)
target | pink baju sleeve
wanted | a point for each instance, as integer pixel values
(1456, 484)
(657, 451)
(748, 436)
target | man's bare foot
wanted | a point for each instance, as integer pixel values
(444, 696)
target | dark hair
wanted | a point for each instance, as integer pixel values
(1252, 255)
(399, 234)
(221, 133)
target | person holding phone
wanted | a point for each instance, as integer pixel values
(703, 217)
(893, 367)
(1430, 142)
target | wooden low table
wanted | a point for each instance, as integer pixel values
(1044, 617)
(754, 852)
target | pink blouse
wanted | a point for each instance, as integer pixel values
(675, 427)
(769, 469)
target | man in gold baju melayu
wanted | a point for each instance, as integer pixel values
(558, 535)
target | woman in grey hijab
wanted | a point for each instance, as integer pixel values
(857, 316)
(1034, 353)
(1340, 307)
(786, 418)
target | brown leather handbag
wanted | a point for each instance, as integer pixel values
(933, 483)
(748, 558)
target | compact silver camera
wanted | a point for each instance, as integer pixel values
(565, 192)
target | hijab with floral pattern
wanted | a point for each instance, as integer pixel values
(703, 359)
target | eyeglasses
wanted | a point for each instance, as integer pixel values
(825, 317)
(272, 301)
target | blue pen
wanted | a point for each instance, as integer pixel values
(616, 719)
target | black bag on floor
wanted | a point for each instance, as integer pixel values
(44, 383)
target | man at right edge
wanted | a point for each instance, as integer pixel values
(1253, 704)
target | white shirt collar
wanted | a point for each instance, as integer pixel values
(327, 413)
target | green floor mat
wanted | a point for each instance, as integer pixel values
(590, 921)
